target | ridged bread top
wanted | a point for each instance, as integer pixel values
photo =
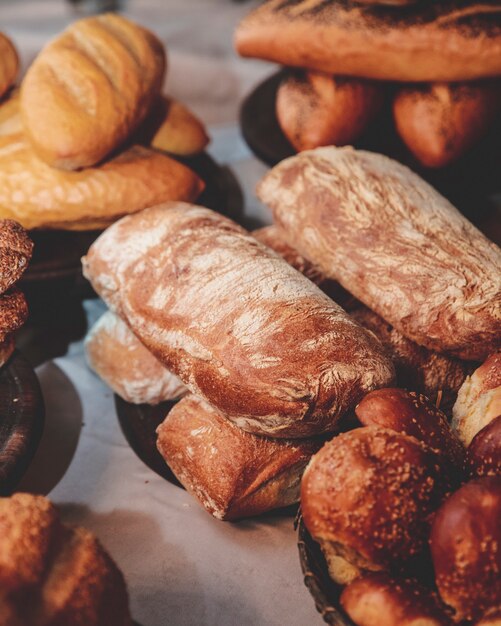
(395, 243)
(90, 88)
(234, 321)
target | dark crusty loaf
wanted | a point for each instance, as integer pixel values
(16, 249)
(427, 41)
(395, 243)
(237, 324)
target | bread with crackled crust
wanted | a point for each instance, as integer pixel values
(395, 243)
(89, 89)
(425, 41)
(238, 325)
(9, 64)
(13, 311)
(16, 249)
(128, 367)
(232, 473)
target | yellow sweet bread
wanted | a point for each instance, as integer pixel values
(9, 64)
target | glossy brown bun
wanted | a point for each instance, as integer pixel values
(465, 545)
(366, 498)
(412, 414)
(483, 457)
(378, 599)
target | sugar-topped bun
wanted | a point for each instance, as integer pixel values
(483, 457)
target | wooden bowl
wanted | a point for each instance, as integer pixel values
(21, 420)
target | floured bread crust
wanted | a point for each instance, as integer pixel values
(234, 321)
(395, 243)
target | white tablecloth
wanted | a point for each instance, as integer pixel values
(182, 566)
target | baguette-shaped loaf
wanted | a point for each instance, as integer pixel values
(427, 41)
(238, 325)
(125, 365)
(232, 473)
(9, 64)
(89, 89)
(395, 243)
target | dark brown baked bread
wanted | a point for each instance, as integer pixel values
(239, 326)
(13, 312)
(233, 474)
(316, 109)
(426, 41)
(366, 498)
(54, 575)
(440, 122)
(483, 456)
(16, 249)
(395, 243)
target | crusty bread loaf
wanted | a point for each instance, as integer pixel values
(316, 109)
(234, 321)
(9, 64)
(65, 572)
(16, 249)
(125, 365)
(232, 473)
(442, 121)
(13, 312)
(395, 243)
(89, 89)
(172, 127)
(427, 41)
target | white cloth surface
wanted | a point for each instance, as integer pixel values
(182, 566)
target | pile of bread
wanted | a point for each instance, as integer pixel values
(84, 140)
(16, 249)
(436, 64)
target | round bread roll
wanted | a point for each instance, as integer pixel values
(377, 599)
(465, 545)
(9, 64)
(483, 457)
(366, 498)
(16, 249)
(69, 576)
(13, 312)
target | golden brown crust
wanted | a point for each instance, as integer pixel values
(427, 41)
(234, 321)
(16, 249)
(233, 474)
(483, 456)
(465, 545)
(316, 109)
(13, 312)
(89, 89)
(9, 64)
(442, 121)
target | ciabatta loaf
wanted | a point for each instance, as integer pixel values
(238, 325)
(395, 243)
(90, 88)
(9, 64)
(426, 41)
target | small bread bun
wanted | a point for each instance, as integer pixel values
(315, 109)
(366, 498)
(479, 399)
(13, 312)
(465, 545)
(412, 414)
(483, 457)
(377, 600)
(16, 249)
(439, 122)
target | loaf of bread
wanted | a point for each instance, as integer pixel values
(426, 41)
(232, 473)
(483, 457)
(13, 312)
(64, 572)
(9, 64)
(125, 365)
(442, 121)
(395, 243)
(89, 89)
(239, 326)
(16, 249)
(316, 109)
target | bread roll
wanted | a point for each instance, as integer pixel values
(125, 365)
(395, 243)
(442, 121)
(89, 89)
(427, 41)
(479, 400)
(64, 572)
(483, 457)
(315, 109)
(238, 325)
(465, 545)
(9, 64)
(233, 474)
(366, 498)
(16, 249)
(13, 312)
